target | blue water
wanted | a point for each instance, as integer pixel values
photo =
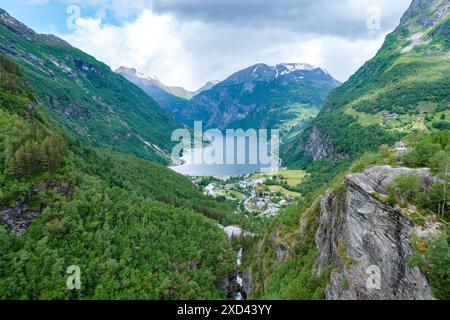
(220, 170)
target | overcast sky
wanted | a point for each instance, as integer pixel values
(188, 42)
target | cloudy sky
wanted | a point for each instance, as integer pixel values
(188, 42)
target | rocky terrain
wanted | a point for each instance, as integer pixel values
(359, 233)
(18, 217)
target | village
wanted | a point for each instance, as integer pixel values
(259, 194)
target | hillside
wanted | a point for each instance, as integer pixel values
(137, 230)
(404, 88)
(368, 204)
(260, 96)
(85, 97)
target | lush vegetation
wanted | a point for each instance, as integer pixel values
(433, 258)
(394, 93)
(136, 230)
(290, 277)
(86, 98)
(126, 246)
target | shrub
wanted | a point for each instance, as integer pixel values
(406, 188)
(435, 262)
(422, 154)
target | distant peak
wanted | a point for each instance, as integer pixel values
(126, 69)
(296, 66)
(135, 73)
(6, 17)
(22, 30)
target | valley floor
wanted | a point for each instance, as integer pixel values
(261, 194)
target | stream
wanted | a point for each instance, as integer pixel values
(235, 282)
(239, 279)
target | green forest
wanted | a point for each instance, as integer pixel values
(135, 229)
(84, 179)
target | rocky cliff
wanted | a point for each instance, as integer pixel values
(319, 148)
(362, 236)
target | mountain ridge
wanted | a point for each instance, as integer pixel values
(159, 90)
(261, 96)
(85, 97)
(381, 101)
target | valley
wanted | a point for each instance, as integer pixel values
(257, 194)
(360, 188)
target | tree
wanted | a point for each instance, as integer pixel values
(421, 155)
(439, 198)
(405, 188)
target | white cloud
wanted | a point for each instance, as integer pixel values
(190, 51)
(152, 43)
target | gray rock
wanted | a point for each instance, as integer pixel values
(319, 148)
(357, 231)
(20, 216)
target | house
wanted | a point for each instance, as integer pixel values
(209, 190)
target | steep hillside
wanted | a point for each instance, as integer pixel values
(367, 206)
(404, 88)
(85, 97)
(136, 230)
(208, 85)
(261, 96)
(385, 220)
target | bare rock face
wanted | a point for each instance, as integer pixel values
(360, 236)
(20, 216)
(318, 148)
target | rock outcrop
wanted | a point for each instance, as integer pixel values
(18, 217)
(319, 148)
(367, 241)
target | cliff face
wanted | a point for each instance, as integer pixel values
(359, 234)
(319, 148)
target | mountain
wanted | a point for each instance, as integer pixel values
(85, 97)
(404, 88)
(179, 92)
(208, 85)
(285, 95)
(151, 86)
(261, 96)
